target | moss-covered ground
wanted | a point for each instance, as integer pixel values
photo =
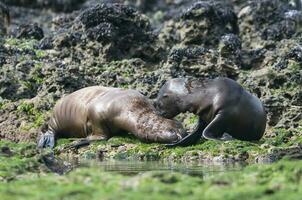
(277, 144)
(24, 177)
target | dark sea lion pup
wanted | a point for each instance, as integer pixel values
(222, 105)
(102, 112)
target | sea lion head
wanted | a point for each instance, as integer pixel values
(171, 93)
(170, 131)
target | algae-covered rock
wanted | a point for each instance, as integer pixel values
(30, 31)
(200, 62)
(56, 5)
(4, 19)
(268, 20)
(203, 23)
(281, 76)
(110, 31)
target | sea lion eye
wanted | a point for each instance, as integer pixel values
(165, 95)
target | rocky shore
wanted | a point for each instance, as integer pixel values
(53, 48)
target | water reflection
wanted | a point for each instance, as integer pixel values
(193, 169)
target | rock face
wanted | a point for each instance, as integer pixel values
(262, 21)
(140, 44)
(203, 23)
(4, 18)
(56, 5)
(111, 31)
(29, 31)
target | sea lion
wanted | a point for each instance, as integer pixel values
(222, 105)
(104, 112)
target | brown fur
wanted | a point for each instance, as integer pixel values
(106, 112)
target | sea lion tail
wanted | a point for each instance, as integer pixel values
(47, 140)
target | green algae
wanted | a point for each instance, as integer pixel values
(20, 159)
(36, 118)
(2, 104)
(129, 148)
(282, 138)
(279, 143)
(24, 45)
(277, 181)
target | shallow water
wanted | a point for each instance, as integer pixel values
(190, 168)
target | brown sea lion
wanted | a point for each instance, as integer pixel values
(222, 105)
(104, 112)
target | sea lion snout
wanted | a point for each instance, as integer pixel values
(171, 132)
(164, 111)
(171, 136)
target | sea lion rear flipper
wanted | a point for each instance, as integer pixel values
(215, 130)
(47, 140)
(192, 138)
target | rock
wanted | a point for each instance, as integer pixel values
(5, 151)
(55, 165)
(111, 31)
(199, 62)
(203, 23)
(4, 18)
(56, 5)
(268, 20)
(29, 31)
(229, 44)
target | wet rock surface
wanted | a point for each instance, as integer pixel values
(141, 44)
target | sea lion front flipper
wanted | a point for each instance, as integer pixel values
(192, 138)
(47, 140)
(215, 130)
(186, 141)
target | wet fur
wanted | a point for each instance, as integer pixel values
(221, 103)
(107, 112)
